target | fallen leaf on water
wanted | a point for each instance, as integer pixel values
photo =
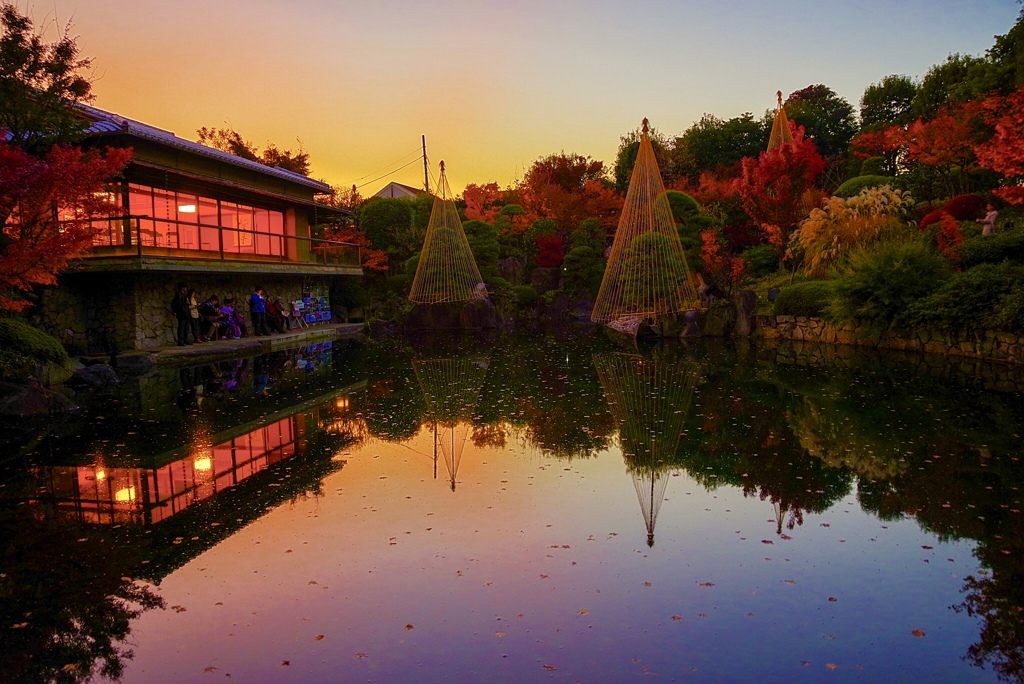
(584, 612)
(831, 666)
(647, 584)
(549, 668)
(926, 547)
(70, 667)
(917, 632)
(408, 627)
(499, 634)
(832, 599)
(359, 656)
(543, 576)
(677, 618)
(319, 637)
(286, 662)
(210, 668)
(805, 663)
(707, 584)
(767, 541)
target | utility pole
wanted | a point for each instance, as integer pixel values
(426, 170)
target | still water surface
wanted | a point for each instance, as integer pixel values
(520, 510)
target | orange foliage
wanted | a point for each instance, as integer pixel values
(372, 259)
(483, 202)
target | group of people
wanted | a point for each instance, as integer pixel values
(211, 320)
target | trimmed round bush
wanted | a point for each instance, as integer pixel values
(525, 295)
(992, 249)
(930, 218)
(804, 299)
(965, 207)
(852, 187)
(20, 337)
(683, 206)
(873, 166)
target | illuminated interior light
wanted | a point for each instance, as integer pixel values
(187, 208)
(125, 495)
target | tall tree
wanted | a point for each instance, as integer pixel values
(625, 158)
(231, 141)
(828, 119)
(1004, 151)
(888, 102)
(958, 79)
(714, 144)
(39, 82)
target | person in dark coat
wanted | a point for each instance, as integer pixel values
(180, 308)
(258, 309)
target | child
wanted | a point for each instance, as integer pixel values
(231, 328)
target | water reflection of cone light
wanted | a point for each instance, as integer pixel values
(451, 388)
(650, 401)
(101, 475)
(341, 402)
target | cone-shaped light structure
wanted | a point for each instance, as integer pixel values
(447, 271)
(781, 135)
(647, 275)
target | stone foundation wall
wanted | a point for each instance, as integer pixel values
(986, 345)
(111, 313)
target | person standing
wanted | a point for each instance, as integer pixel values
(258, 309)
(193, 312)
(179, 306)
(989, 222)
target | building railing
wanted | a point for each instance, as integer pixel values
(128, 236)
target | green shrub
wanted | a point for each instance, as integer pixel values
(852, 187)
(873, 166)
(399, 283)
(878, 285)
(21, 339)
(498, 283)
(683, 206)
(761, 260)
(582, 270)
(349, 292)
(992, 249)
(525, 296)
(804, 299)
(989, 296)
(411, 264)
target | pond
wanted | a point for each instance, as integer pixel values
(522, 509)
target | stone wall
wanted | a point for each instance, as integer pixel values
(111, 313)
(987, 345)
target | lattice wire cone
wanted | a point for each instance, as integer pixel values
(647, 275)
(452, 389)
(447, 271)
(781, 135)
(650, 401)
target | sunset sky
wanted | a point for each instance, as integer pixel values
(493, 85)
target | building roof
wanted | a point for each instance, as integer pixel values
(403, 190)
(108, 123)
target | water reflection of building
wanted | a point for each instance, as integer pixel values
(112, 494)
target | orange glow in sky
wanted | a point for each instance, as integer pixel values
(493, 85)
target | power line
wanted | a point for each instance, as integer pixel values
(390, 173)
(416, 152)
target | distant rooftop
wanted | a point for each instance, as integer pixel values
(394, 189)
(108, 123)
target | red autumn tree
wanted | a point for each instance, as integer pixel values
(1004, 151)
(46, 209)
(947, 143)
(569, 188)
(775, 187)
(483, 202)
(370, 258)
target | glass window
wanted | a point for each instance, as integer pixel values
(228, 217)
(187, 210)
(245, 222)
(164, 207)
(209, 236)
